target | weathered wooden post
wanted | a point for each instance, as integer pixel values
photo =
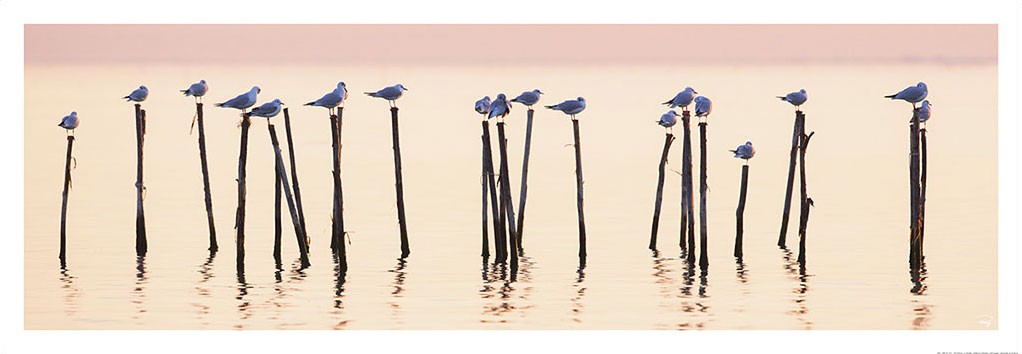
(303, 244)
(914, 191)
(804, 201)
(578, 184)
(500, 235)
(141, 246)
(277, 227)
(688, 222)
(740, 212)
(205, 179)
(337, 218)
(525, 176)
(506, 198)
(482, 181)
(294, 171)
(398, 184)
(703, 257)
(795, 138)
(63, 202)
(668, 139)
(239, 219)
(922, 194)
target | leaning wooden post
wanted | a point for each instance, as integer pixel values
(525, 177)
(294, 171)
(398, 185)
(578, 185)
(688, 222)
(500, 235)
(239, 218)
(914, 190)
(303, 246)
(795, 136)
(63, 202)
(339, 233)
(205, 179)
(505, 186)
(704, 260)
(141, 246)
(668, 139)
(922, 194)
(804, 201)
(277, 227)
(482, 181)
(740, 213)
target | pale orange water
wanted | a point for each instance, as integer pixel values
(857, 272)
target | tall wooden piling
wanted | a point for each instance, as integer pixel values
(914, 191)
(141, 245)
(303, 245)
(795, 138)
(277, 227)
(63, 202)
(668, 139)
(505, 186)
(294, 171)
(688, 222)
(399, 185)
(804, 201)
(213, 247)
(740, 212)
(486, 225)
(922, 194)
(499, 234)
(337, 217)
(578, 185)
(525, 176)
(239, 216)
(704, 260)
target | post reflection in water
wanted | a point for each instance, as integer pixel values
(504, 292)
(283, 290)
(70, 292)
(922, 310)
(138, 293)
(580, 291)
(397, 293)
(797, 271)
(340, 277)
(244, 305)
(742, 273)
(202, 290)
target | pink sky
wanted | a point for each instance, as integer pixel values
(525, 44)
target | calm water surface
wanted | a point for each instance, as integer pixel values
(856, 276)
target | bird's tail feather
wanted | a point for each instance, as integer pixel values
(218, 104)
(370, 93)
(668, 102)
(890, 96)
(126, 97)
(551, 107)
(184, 92)
(782, 98)
(310, 103)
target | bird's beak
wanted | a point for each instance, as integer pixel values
(694, 91)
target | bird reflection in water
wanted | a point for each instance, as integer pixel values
(201, 289)
(138, 293)
(70, 292)
(398, 293)
(797, 271)
(340, 277)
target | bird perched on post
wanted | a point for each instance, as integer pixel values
(242, 101)
(744, 152)
(795, 98)
(703, 106)
(69, 123)
(528, 98)
(138, 95)
(924, 111)
(668, 120)
(483, 105)
(268, 109)
(196, 90)
(332, 99)
(912, 94)
(499, 107)
(390, 93)
(570, 107)
(683, 99)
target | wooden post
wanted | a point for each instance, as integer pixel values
(804, 201)
(500, 235)
(704, 261)
(63, 202)
(795, 136)
(205, 179)
(303, 246)
(341, 247)
(802, 233)
(482, 181)
(914, 191)
(688, 222)
(239, 218)
(922, 194)
(141, 246)
(505, 186)
(578, 184)
(668, 139)
(525, 177)
(740, 213)
(277, 227)
(398, 185)
(294, 171)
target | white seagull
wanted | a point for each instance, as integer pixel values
(795, 98)
(483, 105)
(138, 95)
(332, 99)
(390, 93)
(668, 119)
(528, 98)
(924, 111)
(683, 99)
(744, 152)
(69, 123)
(196, 90)
(499, 107)
(242, 101)
(570, 107)
(912, 94)
(703, 106)
(268, 109)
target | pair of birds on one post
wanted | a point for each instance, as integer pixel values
(915, 94)
(501, 108)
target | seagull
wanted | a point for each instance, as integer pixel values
(499, 107)
(332, 99)
(242, 101)
(912, 94)
(528, 98)
(570, 107)
(138, 95)
(703, 106)
(268, 109)
(795, 98)
(197, 90)
(483, 105)
(391, 93)
(683, 99)
(924, 112)
(69, 123)
(669, 119)
(745, 152)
